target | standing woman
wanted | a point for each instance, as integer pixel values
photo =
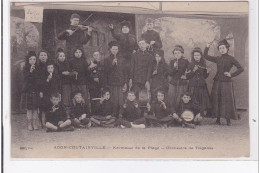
(222, 94)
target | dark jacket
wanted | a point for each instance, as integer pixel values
(106, 108)
(141, 67)
(78, 110)
(42, 69)
(159, 111)
(62, 67)
(188, 107)
(77, 39)
(176, 73)
(115, 75)
(31, 79)
(153, 36)
(96, 72)
(159, 80)
(60, 114)
(127, 44)
(197, 78)
(224, 64)
(130, 113)
(79, 65)
(49, 87)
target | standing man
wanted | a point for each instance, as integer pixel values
(76, 35)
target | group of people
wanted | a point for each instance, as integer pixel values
(67, 92)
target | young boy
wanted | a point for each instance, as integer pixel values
(130, 113)
(57, 118)
(79, 111)
(49, 83)
(115, 73)
(141, 68)
(96, 81)
(75, 35)
(153, 38)
(189, 114)
(106, 115)
(159, 113)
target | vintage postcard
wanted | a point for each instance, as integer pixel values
(129, 80)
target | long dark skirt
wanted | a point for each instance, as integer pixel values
(223, 100)
(200, 96)
(174, 94)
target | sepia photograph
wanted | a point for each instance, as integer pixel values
(129, 79)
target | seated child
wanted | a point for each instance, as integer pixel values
(130, 113)
(57, 118)
(106, 113)
(79, 111)
(159, 113)
(188, 107)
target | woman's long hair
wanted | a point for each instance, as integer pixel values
(27, 57)
(202, 60)
(81, 49)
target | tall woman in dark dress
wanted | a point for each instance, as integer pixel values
(222, 94)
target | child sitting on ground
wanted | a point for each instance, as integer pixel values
(106, 114)
(159, 113)
(57, 118)
(130, 113)
(189, 114)
(79, 111)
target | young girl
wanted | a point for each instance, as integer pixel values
(159, 75)
(64, 76)
(197, 73)
(222, 94)
(96, 81)
(31, 90)
(79, 68)
(178, 82)
(79, 111)
(43, 59)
